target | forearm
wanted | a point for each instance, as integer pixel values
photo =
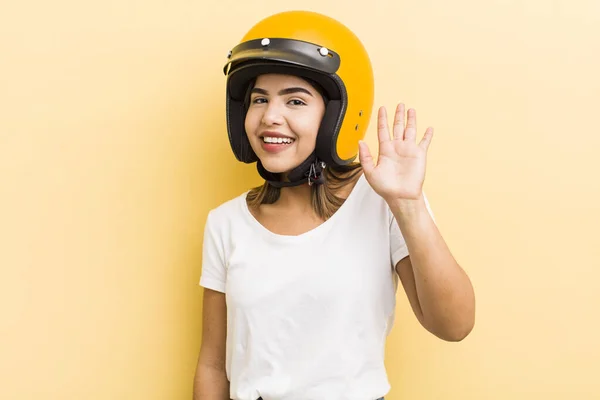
(444, 291)
(210, 384)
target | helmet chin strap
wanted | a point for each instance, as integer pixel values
(309, 171)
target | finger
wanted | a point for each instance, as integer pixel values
(382, 125)
(410, 133)
(364, 155)
(399, 122)
(426, 140)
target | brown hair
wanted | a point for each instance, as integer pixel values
(324, 199)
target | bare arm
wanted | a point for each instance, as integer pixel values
(210, 381)
(438, 289)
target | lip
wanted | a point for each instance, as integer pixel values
(274, 134)
(274, 148)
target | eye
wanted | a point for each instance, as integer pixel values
(297, 102)
(259, 100)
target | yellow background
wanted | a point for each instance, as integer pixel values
(113, 148)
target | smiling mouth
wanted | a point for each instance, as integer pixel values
(277, 140)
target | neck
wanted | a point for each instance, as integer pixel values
(295, 197)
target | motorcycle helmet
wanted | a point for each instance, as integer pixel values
(322, 50)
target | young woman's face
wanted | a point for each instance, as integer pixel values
(283, 120)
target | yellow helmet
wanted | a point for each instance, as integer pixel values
(313, 46)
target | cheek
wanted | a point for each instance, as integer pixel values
(251, 121)
(308, 127)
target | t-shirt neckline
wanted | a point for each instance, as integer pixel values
(290, 238)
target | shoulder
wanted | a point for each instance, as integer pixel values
(227, 211)
(363, 189)
(344, 180)
(223, 223)
(364, 205)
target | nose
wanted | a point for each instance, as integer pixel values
(273, 114)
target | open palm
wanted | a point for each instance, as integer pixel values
(400, 169)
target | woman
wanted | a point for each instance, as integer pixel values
(300, 274)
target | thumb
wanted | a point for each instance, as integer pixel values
(365, 157)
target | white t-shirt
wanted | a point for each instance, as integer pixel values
(307, 315)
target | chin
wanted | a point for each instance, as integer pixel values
(276, 166)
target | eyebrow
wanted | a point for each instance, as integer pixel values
(282, 92)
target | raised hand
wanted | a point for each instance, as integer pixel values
(400, 169)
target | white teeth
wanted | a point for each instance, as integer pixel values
(267, 139)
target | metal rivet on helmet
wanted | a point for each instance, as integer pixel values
(229, 54)
(323, 51)
(265, 42)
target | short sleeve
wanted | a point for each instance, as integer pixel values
(398, 248)
(213, 274)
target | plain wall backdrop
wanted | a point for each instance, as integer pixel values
(113, 148)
